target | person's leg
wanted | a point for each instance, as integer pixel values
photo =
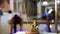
(21, 25)
(48, 25)
(15, 28)
(11, 28)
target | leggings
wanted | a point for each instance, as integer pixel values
(15, 27)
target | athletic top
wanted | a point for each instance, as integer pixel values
(47, 15)
(17, 19)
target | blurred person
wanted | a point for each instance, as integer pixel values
(7, 6)
(1, 13)
(14, 21)
(48, 17)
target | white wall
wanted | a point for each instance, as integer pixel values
(12, 5)
(5, 28)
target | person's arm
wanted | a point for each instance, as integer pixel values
(11, 23)
(21, 23)
(48, 24)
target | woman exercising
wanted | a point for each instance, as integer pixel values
(48, 17)
(14, 21)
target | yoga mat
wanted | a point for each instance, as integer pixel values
(44, 28)
(18, 29)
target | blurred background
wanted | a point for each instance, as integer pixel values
(29, 10)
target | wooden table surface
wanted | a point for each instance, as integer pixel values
(32, 33)
(39, 22)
